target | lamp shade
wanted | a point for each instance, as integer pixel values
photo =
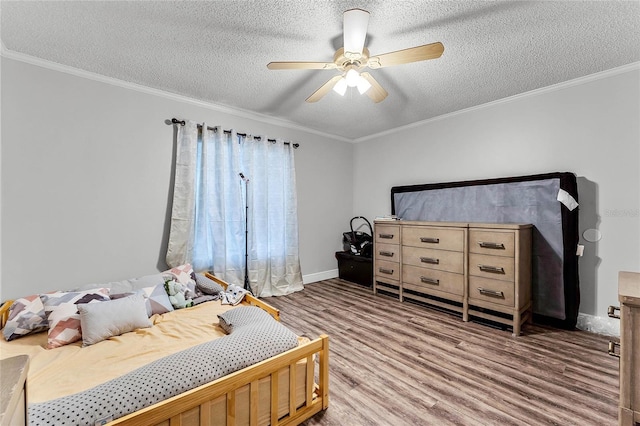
(363, 85)
(352, 77)
(340, 87)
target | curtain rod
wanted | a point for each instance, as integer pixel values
(215, 129)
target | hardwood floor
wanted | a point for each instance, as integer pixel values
(395, 363)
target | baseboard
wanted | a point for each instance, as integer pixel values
(319, 276)
(600, 325)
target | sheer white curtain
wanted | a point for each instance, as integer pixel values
(207, 226)
(274, 268)
(208, 214)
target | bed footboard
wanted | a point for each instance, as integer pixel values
(218, 402)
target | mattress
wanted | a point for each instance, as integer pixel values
(547, 201)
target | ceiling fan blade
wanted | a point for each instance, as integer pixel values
(413, 54)
(301, 65)
(375, 92)
(355, 23)
(324, 89)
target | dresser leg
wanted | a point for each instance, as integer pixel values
(516, 323)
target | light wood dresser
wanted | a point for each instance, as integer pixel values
(500, 272)
(434, 265)
(386, 258)
(477, 269)
(629, 297)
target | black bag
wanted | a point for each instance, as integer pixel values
(358, 242)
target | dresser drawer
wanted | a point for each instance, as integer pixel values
(493, 291)
(389, 252)
(492, 267)
(423, 279)
(492, 243)
(387, 234)
(386, 269)
(436, 238)
(443, 260)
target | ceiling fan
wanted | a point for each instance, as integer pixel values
(354, 57)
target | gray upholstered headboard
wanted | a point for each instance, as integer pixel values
(548, 201)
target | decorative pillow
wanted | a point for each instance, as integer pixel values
(61, 309)
(123, 295)
(26, 316)
(207, 285)
(99, 321)
(243, 315)
(127, 286)
(157, 300)
(146, 281)
(205, 298)
(141, 292)
(184, 275)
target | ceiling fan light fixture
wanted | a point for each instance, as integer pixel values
(352, 78)
(354, 57)
(356, 22)
(340, 87)
(363, 85)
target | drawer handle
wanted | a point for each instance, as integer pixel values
(430, 240)
(386, 253)
(428, 280)
(492, 269)
(386, 236)
(386, 271)
(611, 311)
(430, 260)
(496, 246)
(612, 349)
(492, 293)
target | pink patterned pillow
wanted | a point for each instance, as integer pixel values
(63, 316)
(26, 316)
(184, 274)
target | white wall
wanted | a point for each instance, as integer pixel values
(589, 127)
(86, 174)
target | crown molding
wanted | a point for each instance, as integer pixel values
(238, 112)
(559, 86)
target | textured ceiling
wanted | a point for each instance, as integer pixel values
(217, 51)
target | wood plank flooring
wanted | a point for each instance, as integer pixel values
(396, 364)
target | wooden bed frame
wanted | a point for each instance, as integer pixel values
(194, 407)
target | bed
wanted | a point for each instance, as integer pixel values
(284, 387)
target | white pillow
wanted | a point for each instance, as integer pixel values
(99, 321)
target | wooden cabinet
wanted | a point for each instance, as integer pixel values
(629, 297)
(482, 270)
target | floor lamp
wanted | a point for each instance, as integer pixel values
(246, 232)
